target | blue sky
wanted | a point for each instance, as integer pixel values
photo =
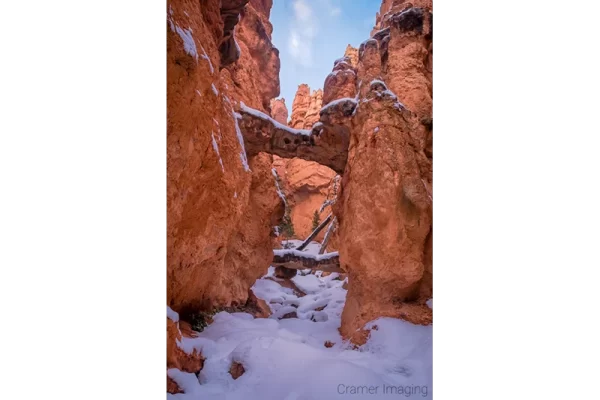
(311, 34)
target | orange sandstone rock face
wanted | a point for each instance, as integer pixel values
(404, 32)
(221, 205)
(279, 111)
(341, 82)
(385, 214)
(256, 73)
(390, 7)
(385, 204)
(300, 106)
(352, 54)
(307, 185)
(314, 106)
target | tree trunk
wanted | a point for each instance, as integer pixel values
(297, 261)
(327, 236)
(314, 233)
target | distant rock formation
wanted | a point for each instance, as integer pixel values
(279, 111)
(352, 54)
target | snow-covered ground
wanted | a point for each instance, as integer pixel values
(286, 359)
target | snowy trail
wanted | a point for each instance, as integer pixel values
(286, 359)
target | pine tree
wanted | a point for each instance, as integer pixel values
(287, 227)
(316, 220)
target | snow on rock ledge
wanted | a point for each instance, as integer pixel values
(264, 134)
(346, 105)
(266, 118)
(172, 315)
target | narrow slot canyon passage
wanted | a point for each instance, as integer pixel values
(299, 242)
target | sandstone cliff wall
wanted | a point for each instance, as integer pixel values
(385, 203)
(221, 206)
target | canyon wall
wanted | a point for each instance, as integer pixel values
(221, 204)
(385, 202)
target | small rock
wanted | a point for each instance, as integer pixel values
(236, 370)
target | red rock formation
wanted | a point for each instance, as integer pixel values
(300, 106)
(279, 111)
(307, 185)
(306, 107)
(341, 82)
(404, 34)
(221, 204)
(352, 54)
(385, 204)
(256, 74)
(390, 7)
(314, 106)
(263, 8)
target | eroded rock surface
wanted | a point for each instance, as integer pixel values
(221, 202)
(385, 204)
(300, 106)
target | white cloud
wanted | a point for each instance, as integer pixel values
(333, 7)
(294, 44)
(302, 10)
(303, 31)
